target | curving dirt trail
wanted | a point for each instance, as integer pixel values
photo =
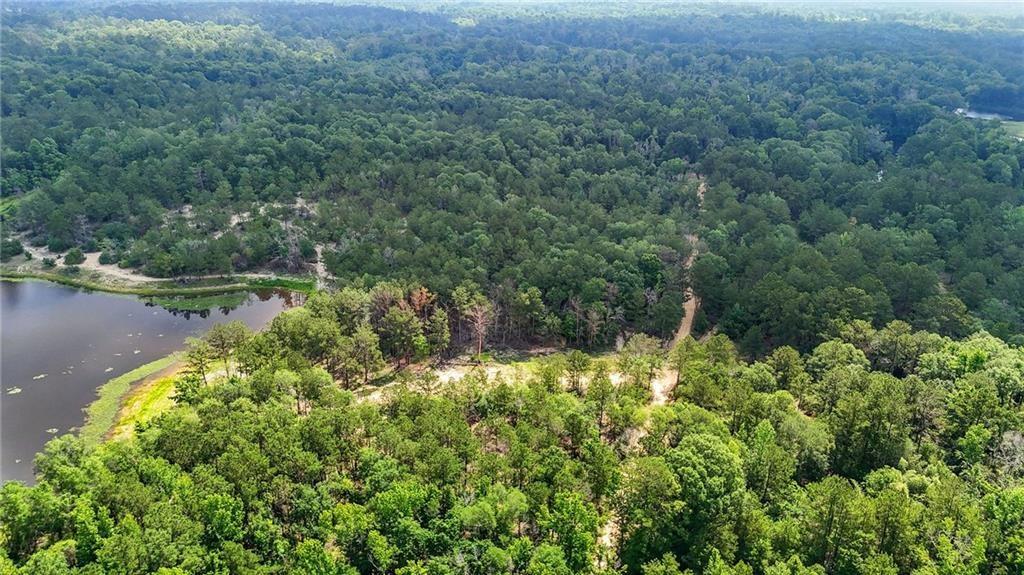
(690, 301)
(661, 390)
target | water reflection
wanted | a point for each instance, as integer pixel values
(58, 344)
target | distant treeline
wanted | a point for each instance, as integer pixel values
(543, 161)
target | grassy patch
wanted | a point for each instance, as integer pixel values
(1014, 128)
(101, 414)
(303, 285)
(142, 404)
(168, 291)
(8, 201)
(186, 283)
(201, 303)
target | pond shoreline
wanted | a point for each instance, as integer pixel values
(64, 344)
(102, 415)
(93, 284)
(145, 399)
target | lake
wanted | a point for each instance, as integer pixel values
(59, 344)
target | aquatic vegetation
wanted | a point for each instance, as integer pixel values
(101, 413)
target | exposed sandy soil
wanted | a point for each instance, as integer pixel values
(607, 536)
(661, 390)
(111, 273)
(691, 302)
(662, 386)
(452, 371)
(92, 264)
(320, 269)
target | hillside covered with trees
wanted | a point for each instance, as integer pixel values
(880, 452)
(553, 181)
(547, 161)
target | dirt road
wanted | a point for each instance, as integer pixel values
(690, 301)
(661, 391)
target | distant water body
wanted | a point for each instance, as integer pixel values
(59, 344)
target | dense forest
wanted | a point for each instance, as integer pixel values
(880, 452)
(557, 182)
(547, 159)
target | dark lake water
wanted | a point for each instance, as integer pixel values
(59, 344)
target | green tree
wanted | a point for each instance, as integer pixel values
(299, 331)
(125, 552)
(223, 518)
(577, 364)
(640, 359)
(74, 257)
(833, 527)
(199, 356)
(572, 523)
(871, 427)
(438, 332)
(400, 329)
(312, 383)
(548, 559)
(225, 338)
(769, 467)
(366, 350)
(187, 387)
(647, 505)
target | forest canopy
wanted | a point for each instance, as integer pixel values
(556, 182)
(553, 160)
(880, 452)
